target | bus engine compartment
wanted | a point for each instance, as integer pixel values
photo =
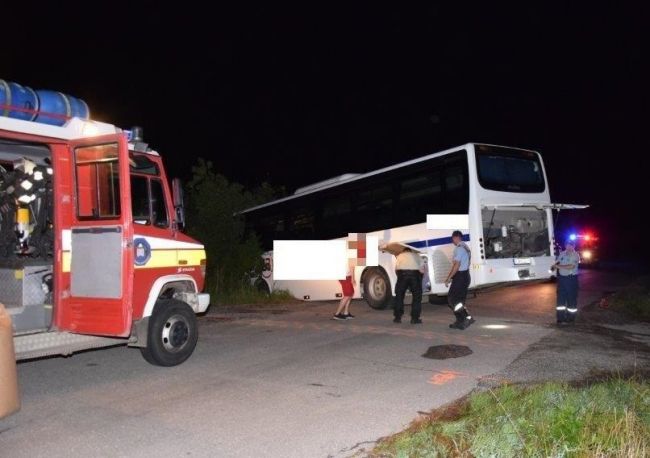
(26, 233)
(515, 233)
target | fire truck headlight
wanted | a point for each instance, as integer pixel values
(586, 254)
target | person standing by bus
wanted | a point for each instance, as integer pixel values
(460, 279)
(347, 286)
(409, 269)
(567, 283)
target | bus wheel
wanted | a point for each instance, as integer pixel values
(173, 333)
(437, 300)
(376, 289)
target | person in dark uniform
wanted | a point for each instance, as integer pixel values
(567, 284)
(460, 280)
(409, 269)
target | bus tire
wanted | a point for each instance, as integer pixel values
(172, 335)
(437, 300)
(377, 289)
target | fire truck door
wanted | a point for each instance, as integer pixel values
(100, 239)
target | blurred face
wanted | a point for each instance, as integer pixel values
(570, 246)
(455, 240)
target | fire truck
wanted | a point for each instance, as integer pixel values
(92, 252)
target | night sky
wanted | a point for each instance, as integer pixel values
(294, 95)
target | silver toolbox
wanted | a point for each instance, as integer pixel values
(21, 286)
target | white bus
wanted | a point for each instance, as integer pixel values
(502, 193)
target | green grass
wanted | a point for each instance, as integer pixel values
(605, 419)
(634, 300)
(251, 296)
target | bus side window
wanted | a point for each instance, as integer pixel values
(335, 217)
(373, 207)
(267, 228)
(420, 194)
(456, 189)
(302, 222)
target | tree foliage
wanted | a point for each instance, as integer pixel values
(213, 203)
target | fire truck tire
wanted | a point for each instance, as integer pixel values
(173, 333)
(377, 290)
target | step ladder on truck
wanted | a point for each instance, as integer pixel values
(92, 252)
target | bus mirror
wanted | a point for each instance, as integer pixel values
(179, 208)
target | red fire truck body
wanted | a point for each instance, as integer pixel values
(100, 235)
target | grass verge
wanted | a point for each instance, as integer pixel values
(634, 300)
(605, 419)
(252, 296)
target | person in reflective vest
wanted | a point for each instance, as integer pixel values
(567, 284)
(460, 279)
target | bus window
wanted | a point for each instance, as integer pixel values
(335, 217)
(507, 169)
(302, 223)
(453, 178)
(419, 195)
(457, 188)
(373, 207)
(265, 226)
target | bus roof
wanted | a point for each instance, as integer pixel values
(348, 178)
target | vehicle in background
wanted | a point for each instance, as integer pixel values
(587, 245)
(500, 193)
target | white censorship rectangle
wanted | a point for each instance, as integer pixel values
(448, 222)
(322, 259)
(309, 259)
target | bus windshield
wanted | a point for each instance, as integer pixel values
(510, 170)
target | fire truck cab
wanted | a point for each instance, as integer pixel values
(91, 248)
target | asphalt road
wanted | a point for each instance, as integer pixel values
(275, 384)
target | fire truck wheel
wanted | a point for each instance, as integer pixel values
(376, 289)
(173, 333)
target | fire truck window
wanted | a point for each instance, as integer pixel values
(140, 163)
(98, 181)
(158, 207)
(140, 200)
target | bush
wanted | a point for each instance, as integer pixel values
(213, 202)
